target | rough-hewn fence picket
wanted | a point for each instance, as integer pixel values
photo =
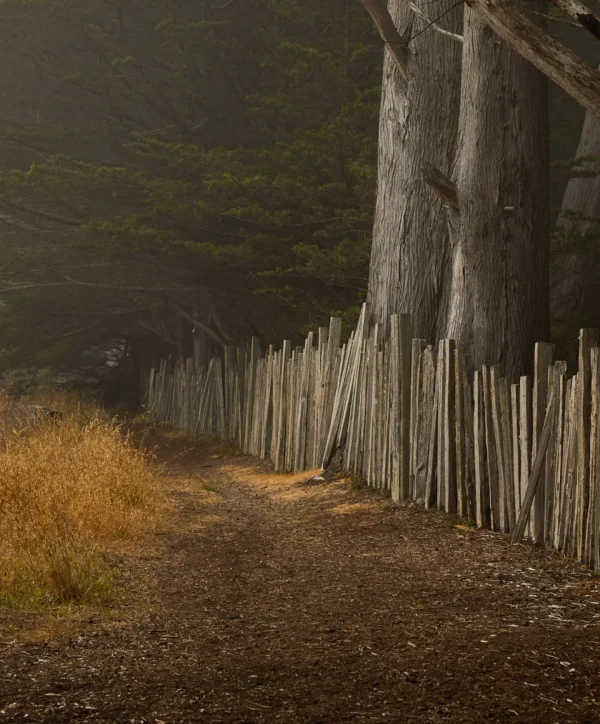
(521, 457)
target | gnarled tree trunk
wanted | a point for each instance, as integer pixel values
(418, 125)
(499, 297)
(574, 290)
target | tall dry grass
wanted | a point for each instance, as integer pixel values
(71, 492)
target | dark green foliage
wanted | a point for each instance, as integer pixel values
(167, 159)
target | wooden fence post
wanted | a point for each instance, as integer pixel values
(491, 454)
(519, 458)
(542, 360)
(536, 470)
(588, 338)
(449, 502)
(422, 433)
(594, 503)
(431, 486)
(404, 359)
(416, 385)
(281, 411)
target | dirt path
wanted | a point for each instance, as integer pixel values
(277, 602)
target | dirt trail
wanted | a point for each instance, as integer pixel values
(278, 602)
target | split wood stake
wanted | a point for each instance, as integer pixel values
(537, 469)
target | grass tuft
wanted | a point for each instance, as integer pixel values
(71, 491)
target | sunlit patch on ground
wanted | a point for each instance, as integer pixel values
(353, 508)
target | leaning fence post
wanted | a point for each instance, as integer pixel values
(538, 464)
(416, 383)
(542, 361)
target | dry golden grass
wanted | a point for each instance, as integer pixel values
(70, 404)
(71, 492)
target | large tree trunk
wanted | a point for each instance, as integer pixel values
(499, 299)
(574, 291)
(418, 125)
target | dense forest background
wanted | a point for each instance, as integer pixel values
(170, 165)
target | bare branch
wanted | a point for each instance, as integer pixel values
(155, 330)
(196, 322)
(98, 322)
(581, 14)
(40, 214)
(388, 32)
(419, 13)
(161, 292)
(553, 19)
(442, 184)
(549, 56)
(68, 282)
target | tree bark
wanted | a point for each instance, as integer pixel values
(545, 52)
(499, 295)
(201, 355)
(418, 126)
(573, 293)
(183, 337)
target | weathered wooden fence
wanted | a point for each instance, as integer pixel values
(521, 458)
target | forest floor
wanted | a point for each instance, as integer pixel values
(266, 599)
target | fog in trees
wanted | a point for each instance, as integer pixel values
(178, 176)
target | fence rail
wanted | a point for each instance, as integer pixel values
(521, 458)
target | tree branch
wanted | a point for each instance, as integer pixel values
(419, 13)
(98, 322)
(207, 330)
(68, 282)
(549, 56)
(388, 32)
(442, 184)
(40, 214)
(582, 15)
